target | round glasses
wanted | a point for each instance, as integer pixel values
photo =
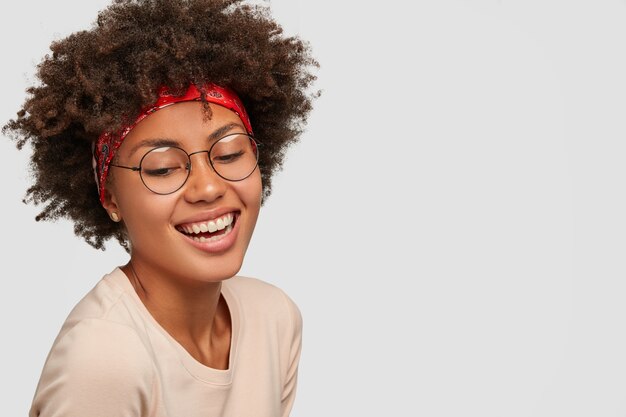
(165, 169)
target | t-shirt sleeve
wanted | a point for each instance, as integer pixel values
(295, 341)
(97, 369)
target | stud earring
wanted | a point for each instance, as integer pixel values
(115, 217)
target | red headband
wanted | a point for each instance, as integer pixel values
(107, 144)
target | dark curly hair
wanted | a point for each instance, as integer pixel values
(95, 77)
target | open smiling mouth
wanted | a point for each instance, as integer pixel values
(211, 230)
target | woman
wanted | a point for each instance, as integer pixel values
(161, 127)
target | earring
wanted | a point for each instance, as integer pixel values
(115, 217)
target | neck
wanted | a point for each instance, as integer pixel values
(190, 312)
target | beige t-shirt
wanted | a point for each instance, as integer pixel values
(113, 359)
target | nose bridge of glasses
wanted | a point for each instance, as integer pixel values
(207, 158)
(201, 174)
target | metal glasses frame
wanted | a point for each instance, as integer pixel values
(189, 165)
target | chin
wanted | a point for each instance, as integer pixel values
(218, 269)
(195, 269)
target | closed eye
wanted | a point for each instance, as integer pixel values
(161, 172)
(228, 158)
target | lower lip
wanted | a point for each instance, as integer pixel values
(219, 245)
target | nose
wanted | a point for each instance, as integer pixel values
(203, 183)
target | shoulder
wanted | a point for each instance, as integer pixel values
(105, 300)
(258, 292)
(265, 299)
(109, 301)
(111, 350)
(102, 335)
(96, 365)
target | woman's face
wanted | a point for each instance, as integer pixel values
(158, 226)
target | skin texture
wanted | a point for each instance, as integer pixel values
(179, 283)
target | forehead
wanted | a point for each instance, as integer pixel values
(185, 122)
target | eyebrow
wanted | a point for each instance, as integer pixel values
(222, 131)
(156, 142)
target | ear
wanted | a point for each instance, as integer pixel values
(110, 205)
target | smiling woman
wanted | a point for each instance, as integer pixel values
(173, 115)
(183, 193)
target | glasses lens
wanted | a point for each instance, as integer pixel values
(234, 157)
(165, 169)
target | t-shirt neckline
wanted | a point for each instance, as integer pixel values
(197, 369)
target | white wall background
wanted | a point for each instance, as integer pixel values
(452, 225)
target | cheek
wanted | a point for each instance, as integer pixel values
(143, 214)
(147, 226)
(250, 191)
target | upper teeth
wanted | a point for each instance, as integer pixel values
(209, 226)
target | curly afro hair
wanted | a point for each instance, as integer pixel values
(96, 76)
